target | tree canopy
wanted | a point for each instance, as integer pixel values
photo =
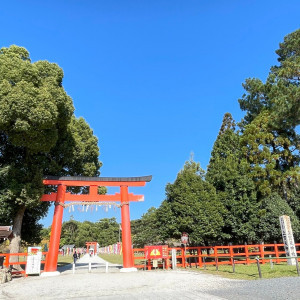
(39, 135)
(253, 173)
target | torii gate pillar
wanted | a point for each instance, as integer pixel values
(51, 262)
(128, 265)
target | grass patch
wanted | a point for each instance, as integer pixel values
(250, 272)
(112, 258)
(64, 260)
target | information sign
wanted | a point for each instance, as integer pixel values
(288, 238)
(34, 258)
(184, 238)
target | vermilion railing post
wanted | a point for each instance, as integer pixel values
(262, 253)
(167, 260)
(247, 253)
(215, 254)
(276, 252)
(231, 254)
(199, 251)
(6, 263)
(182, 257)
(149, 264)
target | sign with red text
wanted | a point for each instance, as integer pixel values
(34, 258)
(156, 252)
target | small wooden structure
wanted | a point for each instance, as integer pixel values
(5, 232)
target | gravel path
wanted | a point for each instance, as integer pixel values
(144, 285)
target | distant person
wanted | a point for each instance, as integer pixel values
(75, 256)
(78, 255)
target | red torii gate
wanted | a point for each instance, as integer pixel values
(93, 183)
(92, 245)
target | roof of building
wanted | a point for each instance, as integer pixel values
(103, 179)
(67, 246)
(5, 231)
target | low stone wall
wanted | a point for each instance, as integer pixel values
(5, 275)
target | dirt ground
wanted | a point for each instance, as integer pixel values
(162, 284)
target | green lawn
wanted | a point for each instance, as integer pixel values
(250, 272)
(113, 258)
(64, 260)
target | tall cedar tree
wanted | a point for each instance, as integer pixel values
(191, 206)
(270, 140)
(39, 135)
(228, 173)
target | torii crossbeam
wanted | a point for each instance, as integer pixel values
(93, 183)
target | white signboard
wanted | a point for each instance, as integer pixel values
(33, 265)
(174, 261)
(288, 238)
(184, 238)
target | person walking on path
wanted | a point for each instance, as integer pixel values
(75, 256)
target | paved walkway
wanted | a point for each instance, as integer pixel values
(97, 265)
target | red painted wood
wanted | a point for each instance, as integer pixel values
(92, 197)
(126, 230)
(51, 262)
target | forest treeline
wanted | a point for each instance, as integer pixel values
(253, 173)
(252, 177)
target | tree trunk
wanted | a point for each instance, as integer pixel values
(16, 240)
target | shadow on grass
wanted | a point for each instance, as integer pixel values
(62, 264)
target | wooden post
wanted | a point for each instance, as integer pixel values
(258, 267)
(199, 251)
(276, 252)
(247, 254)
(262, 253)
(182, 257)
(231, 254)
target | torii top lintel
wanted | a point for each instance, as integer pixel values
(93, 183)
(98, 181)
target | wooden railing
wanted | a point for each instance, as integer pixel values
(217, 255)
(7, 263)
(190, 256)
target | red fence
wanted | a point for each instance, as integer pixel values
(191, 256)
(21, 261)
(217, 255)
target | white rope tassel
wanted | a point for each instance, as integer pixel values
(73, 209)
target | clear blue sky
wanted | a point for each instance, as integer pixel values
(152, 78)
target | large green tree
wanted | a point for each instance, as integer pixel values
(191, 206)
(146, 229)
(39, 135)
(228, 173)
(270, 138)
(105, 232)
